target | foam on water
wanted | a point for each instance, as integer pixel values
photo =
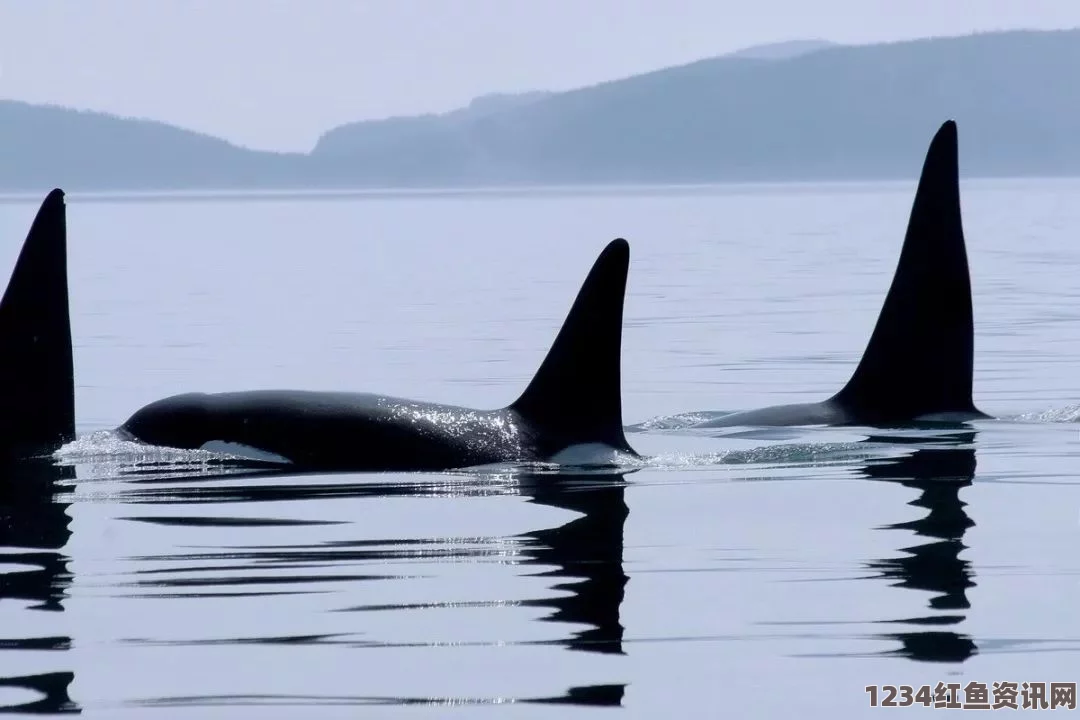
(104, 455)
(1067, 414)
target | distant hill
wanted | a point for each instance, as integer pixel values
(46, 146)
(839, 112)
(367, 134)
(781, 50)
(793, 111)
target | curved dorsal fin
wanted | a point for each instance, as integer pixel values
(576, 395)
(37, 407)
(919, 358)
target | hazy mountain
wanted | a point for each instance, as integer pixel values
(837, 112)
(363, 135)
(46, 146)
(805, 110)
(781, 50)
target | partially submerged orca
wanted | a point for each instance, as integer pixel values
(573, 402)
(35, 342)
(918, 363)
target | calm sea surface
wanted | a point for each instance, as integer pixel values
(738, 572)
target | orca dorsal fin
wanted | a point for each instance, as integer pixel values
(37, 406)
(919, 358)
(576, 395)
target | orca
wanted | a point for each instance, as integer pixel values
(36, 361)
(571, 409)
(918, 364)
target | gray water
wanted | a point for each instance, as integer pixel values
(748, 572)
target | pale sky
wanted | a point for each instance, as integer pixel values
(274, 74)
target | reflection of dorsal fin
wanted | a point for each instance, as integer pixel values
(37, 406)
(919, 358)
(576, 395)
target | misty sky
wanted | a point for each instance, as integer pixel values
(274, 74)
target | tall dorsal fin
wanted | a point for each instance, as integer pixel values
(37, 403)
(576, 395)
(919, 358)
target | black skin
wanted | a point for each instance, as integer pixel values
(918, 365)
(574, 399)
(38, 400)
(339, 431)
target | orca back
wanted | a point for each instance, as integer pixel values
(38, 411)
(919, 360)
(576, 395)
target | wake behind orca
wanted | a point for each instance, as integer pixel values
(918, 363)
(35, 342)
(573, 402)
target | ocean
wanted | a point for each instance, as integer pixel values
(754, 572)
